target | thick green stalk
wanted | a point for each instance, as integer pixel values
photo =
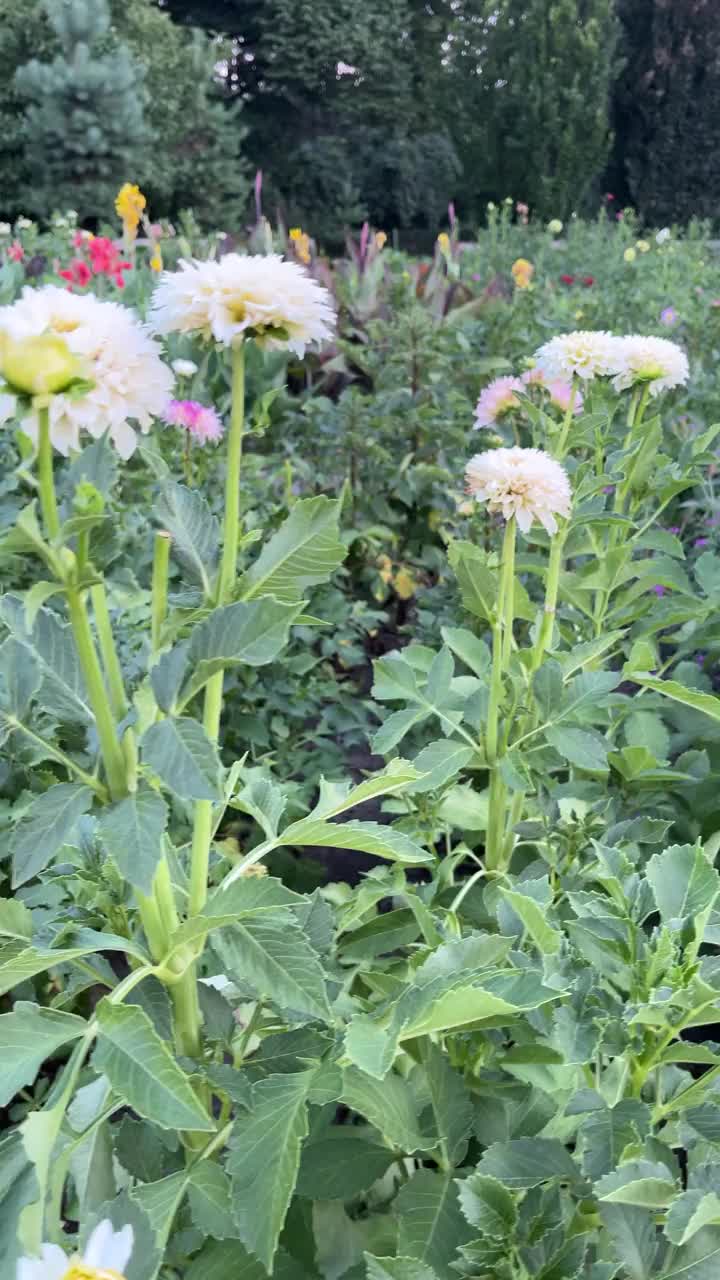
(502, 648)
(161, 563)
(203, 825)
(552, 584)
(48, 501)
(110, 747)
(108, 652)
(567, 422)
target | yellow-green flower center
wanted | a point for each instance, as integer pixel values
(81, 1271)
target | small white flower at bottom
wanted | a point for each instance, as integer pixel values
(106, 1256)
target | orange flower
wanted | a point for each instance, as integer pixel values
(522, 273)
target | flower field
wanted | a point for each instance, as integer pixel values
(359, 913)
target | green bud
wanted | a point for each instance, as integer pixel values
(43, 365)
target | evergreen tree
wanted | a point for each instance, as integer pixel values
(667, 109)
(536, 78)
(84, 122)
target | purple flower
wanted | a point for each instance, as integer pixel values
(701, 542)
(673, 528)
(476, 276)
(700, 659)
(659, 590)
(609, 488)
(669, 317)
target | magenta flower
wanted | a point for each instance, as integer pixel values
(659, 590)
(199, 420)
(701, 542)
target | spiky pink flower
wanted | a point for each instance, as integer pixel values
(497, 398)
(202, 422)
(559, 391)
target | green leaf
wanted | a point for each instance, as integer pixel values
(265, 1158)
(387, 1104)
(604, 1134)
(697, 1260)
(124, 1210)
(211, 1200)
(194, 530)
(473, 652)
(639, 1183)
(161, 1200)
(478, 583)
(364, 837)
(634, 1238)
(47, 825)
(440, 761)
(229, 1260)
(450, 1101)
(683, 881)
(689, 1213)
(179, 751)
(18, 1188)
(341, 1163)
(431, 1225)
(253, 634)
(142, 1070)
(278, 963)
(132, 832)
(20, 677)
(15, 919)
(523, 1163)
(29, 1035)
(580, 747)
(337, 797)
(50, 643)
(705, 702)
(488, 1205)
(396, 1269)
(533, 917)
(305, 551)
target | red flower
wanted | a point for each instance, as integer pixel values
(77, 273)
(567, 279)
(106, 260)
(16, 253)
(588, 281)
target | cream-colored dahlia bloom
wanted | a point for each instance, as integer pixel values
(258, 296)
(131, 384)
(525, 483)
(106, 1256)
(655, 361)
(585, 354)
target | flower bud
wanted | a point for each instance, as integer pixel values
(42, 365)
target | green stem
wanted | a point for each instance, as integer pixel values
(108, 651)
(502, 648)
(48, 501)
(203, 825)
(231, 523)
(551, 593)
(161, 564)
(567, 422)
(110, 747)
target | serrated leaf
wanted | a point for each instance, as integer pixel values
(439, 762)
(389, 1105)
(684, 882)
(707, 703)
(431, 1225)
(195, 531)
(523, 1163)
(132, 832)
(580, 747)
(478, 583)
(210, 1198)
(161, 1200)
(50, 643)
(142, 1070)
(278, 963)
(689, 1213)
(305, 551)
(396, 1269)
(336, 798)
(179, 751)
(643, 1184)
(533, 917)
(20, 677)
(251, 634)
(265, 1157)
(488, 1205)
(47, 825)
(18, 1188)
(29, 1035)
(341, 1163)
(15, 919)
(364, 837)
(450, 1101)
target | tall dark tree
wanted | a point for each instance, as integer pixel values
(667, 109)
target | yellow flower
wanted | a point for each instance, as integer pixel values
(380, 239)
(522, 273)
(130, 206)
(642, 246)
(579, 315)
(555, 226)
(443, 242)
(156, 262)
(630, 255)
(301, 244)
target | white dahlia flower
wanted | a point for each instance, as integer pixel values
(245, 296)
(106, 1256)
(656, 361)
(525, 483)
(586, 354)
(132, 385)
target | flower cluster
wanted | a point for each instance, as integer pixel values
(627, 360)
(104, 260)
(129, 381)
(525, 483)
(258, 296)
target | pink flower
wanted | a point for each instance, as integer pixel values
(106, 260)
(496, 399)
(202, 422)
(16, 253)
(561, 393)
(533, 377)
